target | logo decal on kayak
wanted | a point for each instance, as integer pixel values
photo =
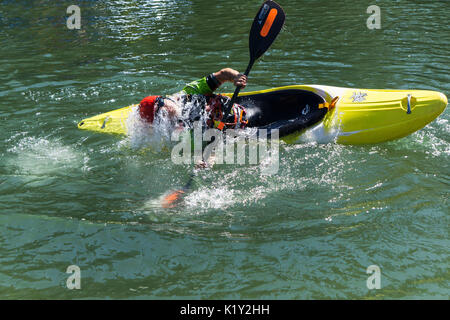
(358, 96)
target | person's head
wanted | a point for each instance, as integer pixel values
(147, 107)
(151, 105)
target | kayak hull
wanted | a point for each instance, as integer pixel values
(360, 116)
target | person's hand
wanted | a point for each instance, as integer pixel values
(231, 75)
(201, 165)
(240, 80)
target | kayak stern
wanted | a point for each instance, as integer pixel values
(373, 116)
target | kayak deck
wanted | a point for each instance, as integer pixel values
(295, 110)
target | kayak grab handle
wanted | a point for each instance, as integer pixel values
(408, 110)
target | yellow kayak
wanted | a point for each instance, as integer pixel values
(348, 116)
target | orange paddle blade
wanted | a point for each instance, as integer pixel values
(171, 199)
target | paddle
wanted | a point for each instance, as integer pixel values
(265, 28)
(174, 197)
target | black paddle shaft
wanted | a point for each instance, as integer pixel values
(265, 28)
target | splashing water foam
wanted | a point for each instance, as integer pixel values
(141, 134)
(40, 156)
(157, 136)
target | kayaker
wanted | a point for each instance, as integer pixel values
(196, 100)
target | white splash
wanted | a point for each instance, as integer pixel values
(141, 134)
(320, 134)
(41, 156)
(211, 198)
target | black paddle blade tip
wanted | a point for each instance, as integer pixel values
(265, 28)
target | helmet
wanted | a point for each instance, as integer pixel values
(147, 108)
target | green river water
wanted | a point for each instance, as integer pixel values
(71, 197)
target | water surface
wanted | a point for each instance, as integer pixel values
(310, 232)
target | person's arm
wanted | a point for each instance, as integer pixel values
(230, 75)
(210, 83)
